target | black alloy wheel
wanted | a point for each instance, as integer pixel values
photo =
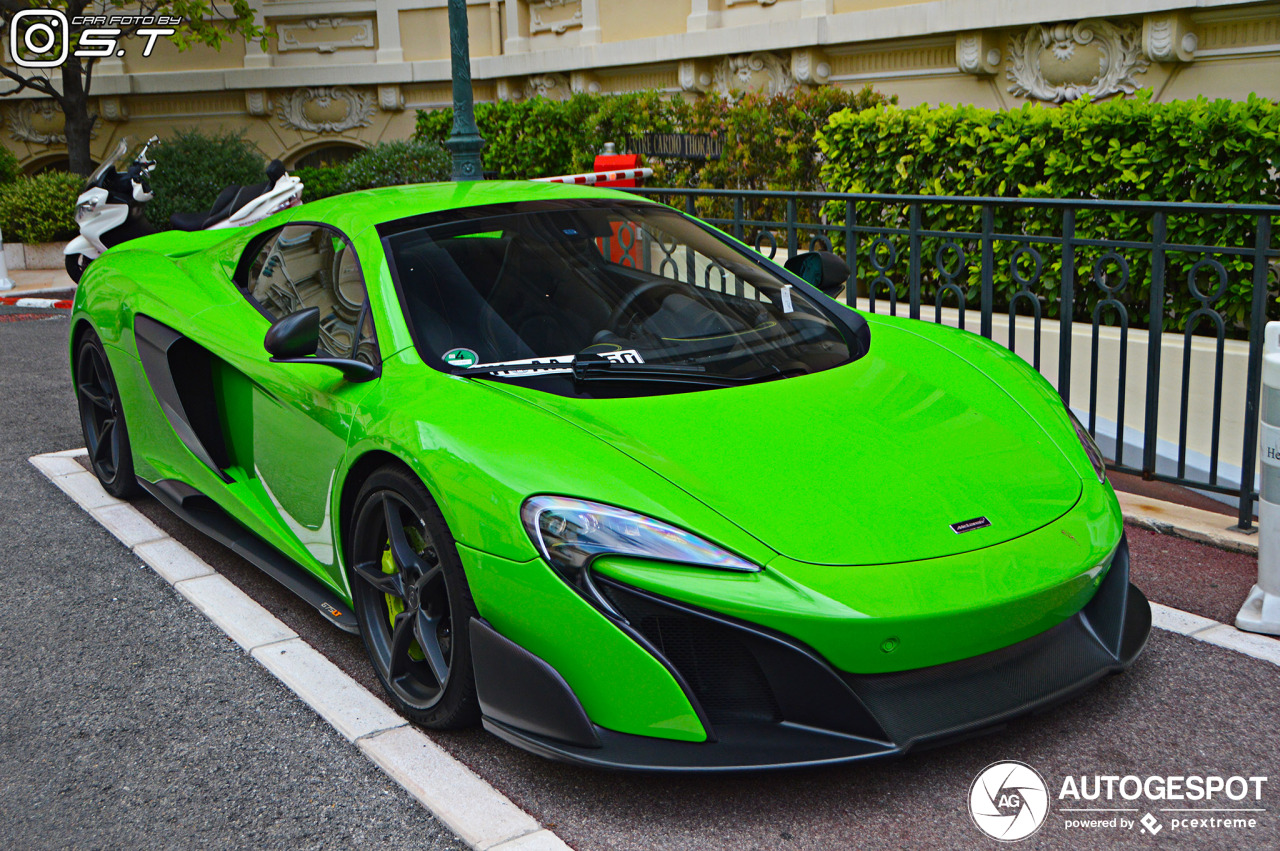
(412, 600)
(102, 419)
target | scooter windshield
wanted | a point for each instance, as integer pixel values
(113, 160)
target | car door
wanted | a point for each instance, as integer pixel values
(288, 423)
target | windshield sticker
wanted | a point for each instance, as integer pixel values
(787, 306)
(460, 357)
(549, 366)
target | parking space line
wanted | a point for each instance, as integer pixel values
(1176, 620)
(478, 813)
(482, 816)
(236, 613)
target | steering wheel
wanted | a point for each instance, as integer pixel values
(629, 300)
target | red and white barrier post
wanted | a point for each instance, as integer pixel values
(599, 178)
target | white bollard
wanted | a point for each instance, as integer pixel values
(6, 283)
(1261, 611)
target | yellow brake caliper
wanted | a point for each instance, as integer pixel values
(394, 604)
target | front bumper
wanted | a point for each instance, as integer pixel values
(770, 702)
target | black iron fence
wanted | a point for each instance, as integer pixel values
(1206, 273)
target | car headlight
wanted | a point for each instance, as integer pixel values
(570, 533)
(1090, 448)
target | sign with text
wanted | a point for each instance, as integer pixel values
(679, 146)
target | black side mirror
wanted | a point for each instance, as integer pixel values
(296, 339)
(295, 336)
(823, 269)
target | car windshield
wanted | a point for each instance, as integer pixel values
(529, 293)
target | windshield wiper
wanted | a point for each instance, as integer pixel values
(598, 367)
(594, 367)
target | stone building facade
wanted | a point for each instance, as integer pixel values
(342, 74)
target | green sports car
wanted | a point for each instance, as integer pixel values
(584, 469)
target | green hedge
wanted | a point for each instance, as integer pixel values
(396, 164)
(384, 164)
(523, 139)
(769, 142)
(40, 208)
(1124, 149)
(192, 168)
(9, 168)
(321, 182)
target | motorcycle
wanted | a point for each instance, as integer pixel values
(110, 208)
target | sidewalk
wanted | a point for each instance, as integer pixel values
(37, 282)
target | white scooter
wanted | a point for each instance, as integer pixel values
(109, 210)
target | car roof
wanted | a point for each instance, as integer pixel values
(354, 212)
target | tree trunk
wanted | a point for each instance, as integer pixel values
(79, 124)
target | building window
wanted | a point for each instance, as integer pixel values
(327, 155)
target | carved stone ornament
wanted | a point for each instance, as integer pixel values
(113, 109)
(696, 75)
(978, 53)
(1168, 37)
(390, 98)
(506, 89)
(584, 82)
(325, 35)
(257, 103)
(553, 86)
(326, 109)
(39, 122)
(753, 72)
(1061, 62)
(810, 66)
(560, 16)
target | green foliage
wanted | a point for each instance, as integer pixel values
(394, 164)
(9, 169)
(192, 168)
(769, 142)
(41, 208)
(321, 182)
(523, 139)
(1123, 149)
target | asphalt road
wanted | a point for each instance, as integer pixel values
(127, 720)
(1186, 708)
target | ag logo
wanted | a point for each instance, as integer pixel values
(1008, 801)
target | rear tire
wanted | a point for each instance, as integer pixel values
(76, 264)
(413, 601)
(106, 436)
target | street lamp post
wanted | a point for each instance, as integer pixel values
(464, 140)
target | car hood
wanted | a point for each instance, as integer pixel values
(868, 463)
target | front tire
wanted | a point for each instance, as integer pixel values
(413, 602)
(106, 436)
(76, 264)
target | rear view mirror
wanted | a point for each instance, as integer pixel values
(823, 269)
(295, 336)
(296, 339)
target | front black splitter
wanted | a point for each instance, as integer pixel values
(738, 747)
